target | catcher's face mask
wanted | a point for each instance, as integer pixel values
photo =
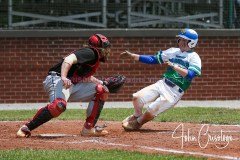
(101, 42)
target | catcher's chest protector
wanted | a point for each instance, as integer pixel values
(89, 69)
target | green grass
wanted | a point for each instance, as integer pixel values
(85, 155)
(201, 115)
(188, 114)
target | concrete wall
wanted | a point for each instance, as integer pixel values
(26, 57)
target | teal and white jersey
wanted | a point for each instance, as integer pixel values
(187, 60)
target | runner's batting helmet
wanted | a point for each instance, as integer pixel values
(190, 35)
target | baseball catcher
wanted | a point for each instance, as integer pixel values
(72, 79)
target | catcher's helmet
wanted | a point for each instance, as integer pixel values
(190, 35)
(98, 41)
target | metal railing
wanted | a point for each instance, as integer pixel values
(120, 14)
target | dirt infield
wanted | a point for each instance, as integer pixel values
(213, 141)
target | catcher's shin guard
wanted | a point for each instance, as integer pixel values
(95, 107)
(57, 107)
(47, 113)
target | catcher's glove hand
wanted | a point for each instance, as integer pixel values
(114, 83)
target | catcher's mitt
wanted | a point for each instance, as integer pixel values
(114, 83)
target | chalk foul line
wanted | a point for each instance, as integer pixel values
(167, 150)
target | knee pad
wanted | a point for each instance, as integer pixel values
(57, 107)
(101, 93)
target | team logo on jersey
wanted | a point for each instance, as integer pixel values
(181, 57)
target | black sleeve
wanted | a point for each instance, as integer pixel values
(85, 55)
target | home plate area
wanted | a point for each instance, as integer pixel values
(55, 135)
(201, 140)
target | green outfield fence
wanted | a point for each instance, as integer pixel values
(64, 14)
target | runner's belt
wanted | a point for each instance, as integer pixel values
(172, 85)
